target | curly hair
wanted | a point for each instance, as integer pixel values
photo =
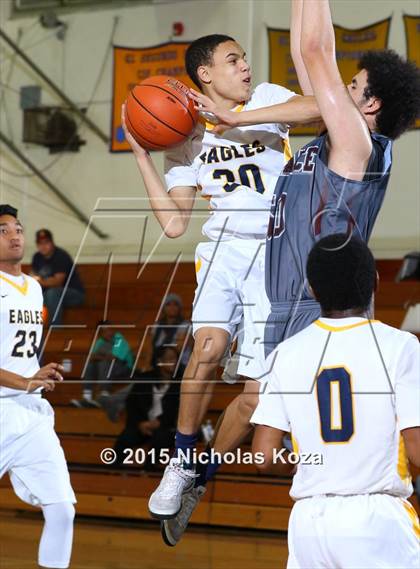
(200, 52)
(396, 82)
(342, 273)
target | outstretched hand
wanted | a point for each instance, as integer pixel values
(223, 120)
(45, 377)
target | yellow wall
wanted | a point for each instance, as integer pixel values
(94, 174)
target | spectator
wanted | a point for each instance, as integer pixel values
(111, 359)
(152, 407)
(55, 271)
(183, 342)
(171, 321)
(171, 330)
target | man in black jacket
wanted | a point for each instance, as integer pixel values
(152, 407)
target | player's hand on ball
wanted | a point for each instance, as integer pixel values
(46, 377)
(222, 119)
(135, 146)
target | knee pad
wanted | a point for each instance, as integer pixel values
(57, 536)
(61, 513)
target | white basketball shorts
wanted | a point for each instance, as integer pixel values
(231, 293)
(31, 453)
(353, 532)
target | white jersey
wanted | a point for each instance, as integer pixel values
(236, 171)
(21, 304)
(345, 388)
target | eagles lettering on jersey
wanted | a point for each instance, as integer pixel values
(25, 316)
(226, 153)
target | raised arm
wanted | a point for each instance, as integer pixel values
(295, 35)
(297, 110)
(348, 132)
(172, 210)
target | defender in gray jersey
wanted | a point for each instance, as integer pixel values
(310, 202)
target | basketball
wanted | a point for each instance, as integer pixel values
(159, 113)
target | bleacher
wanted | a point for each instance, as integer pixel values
(130, 296)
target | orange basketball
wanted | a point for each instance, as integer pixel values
(159, 113)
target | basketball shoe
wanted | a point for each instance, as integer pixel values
(172, 530)
(166, 500)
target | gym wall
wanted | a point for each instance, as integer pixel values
(107, 187)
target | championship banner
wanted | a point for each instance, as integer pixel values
(412, 32)
(350, 45)
(133, 65)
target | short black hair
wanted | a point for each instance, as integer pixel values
(342, 273)
(396, 82)
(6, 209)
(200, 52)
(43, 235)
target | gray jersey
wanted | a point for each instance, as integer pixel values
(310, 201)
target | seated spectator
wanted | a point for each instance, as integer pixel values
(111, 359)
(55, 271)
(183, 342)
(172, 330)
(169, 324)
(152, 407)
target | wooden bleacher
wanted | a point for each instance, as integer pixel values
(131, 298)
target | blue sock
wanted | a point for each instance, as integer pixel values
(184, 449)
(206, 470)
(212, 468)
(201, 468)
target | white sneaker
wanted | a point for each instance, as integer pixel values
(166, 500)
(172, 530)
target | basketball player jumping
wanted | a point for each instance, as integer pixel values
(353, 400)
(336, 183)
(29, 448)
(237, 172)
